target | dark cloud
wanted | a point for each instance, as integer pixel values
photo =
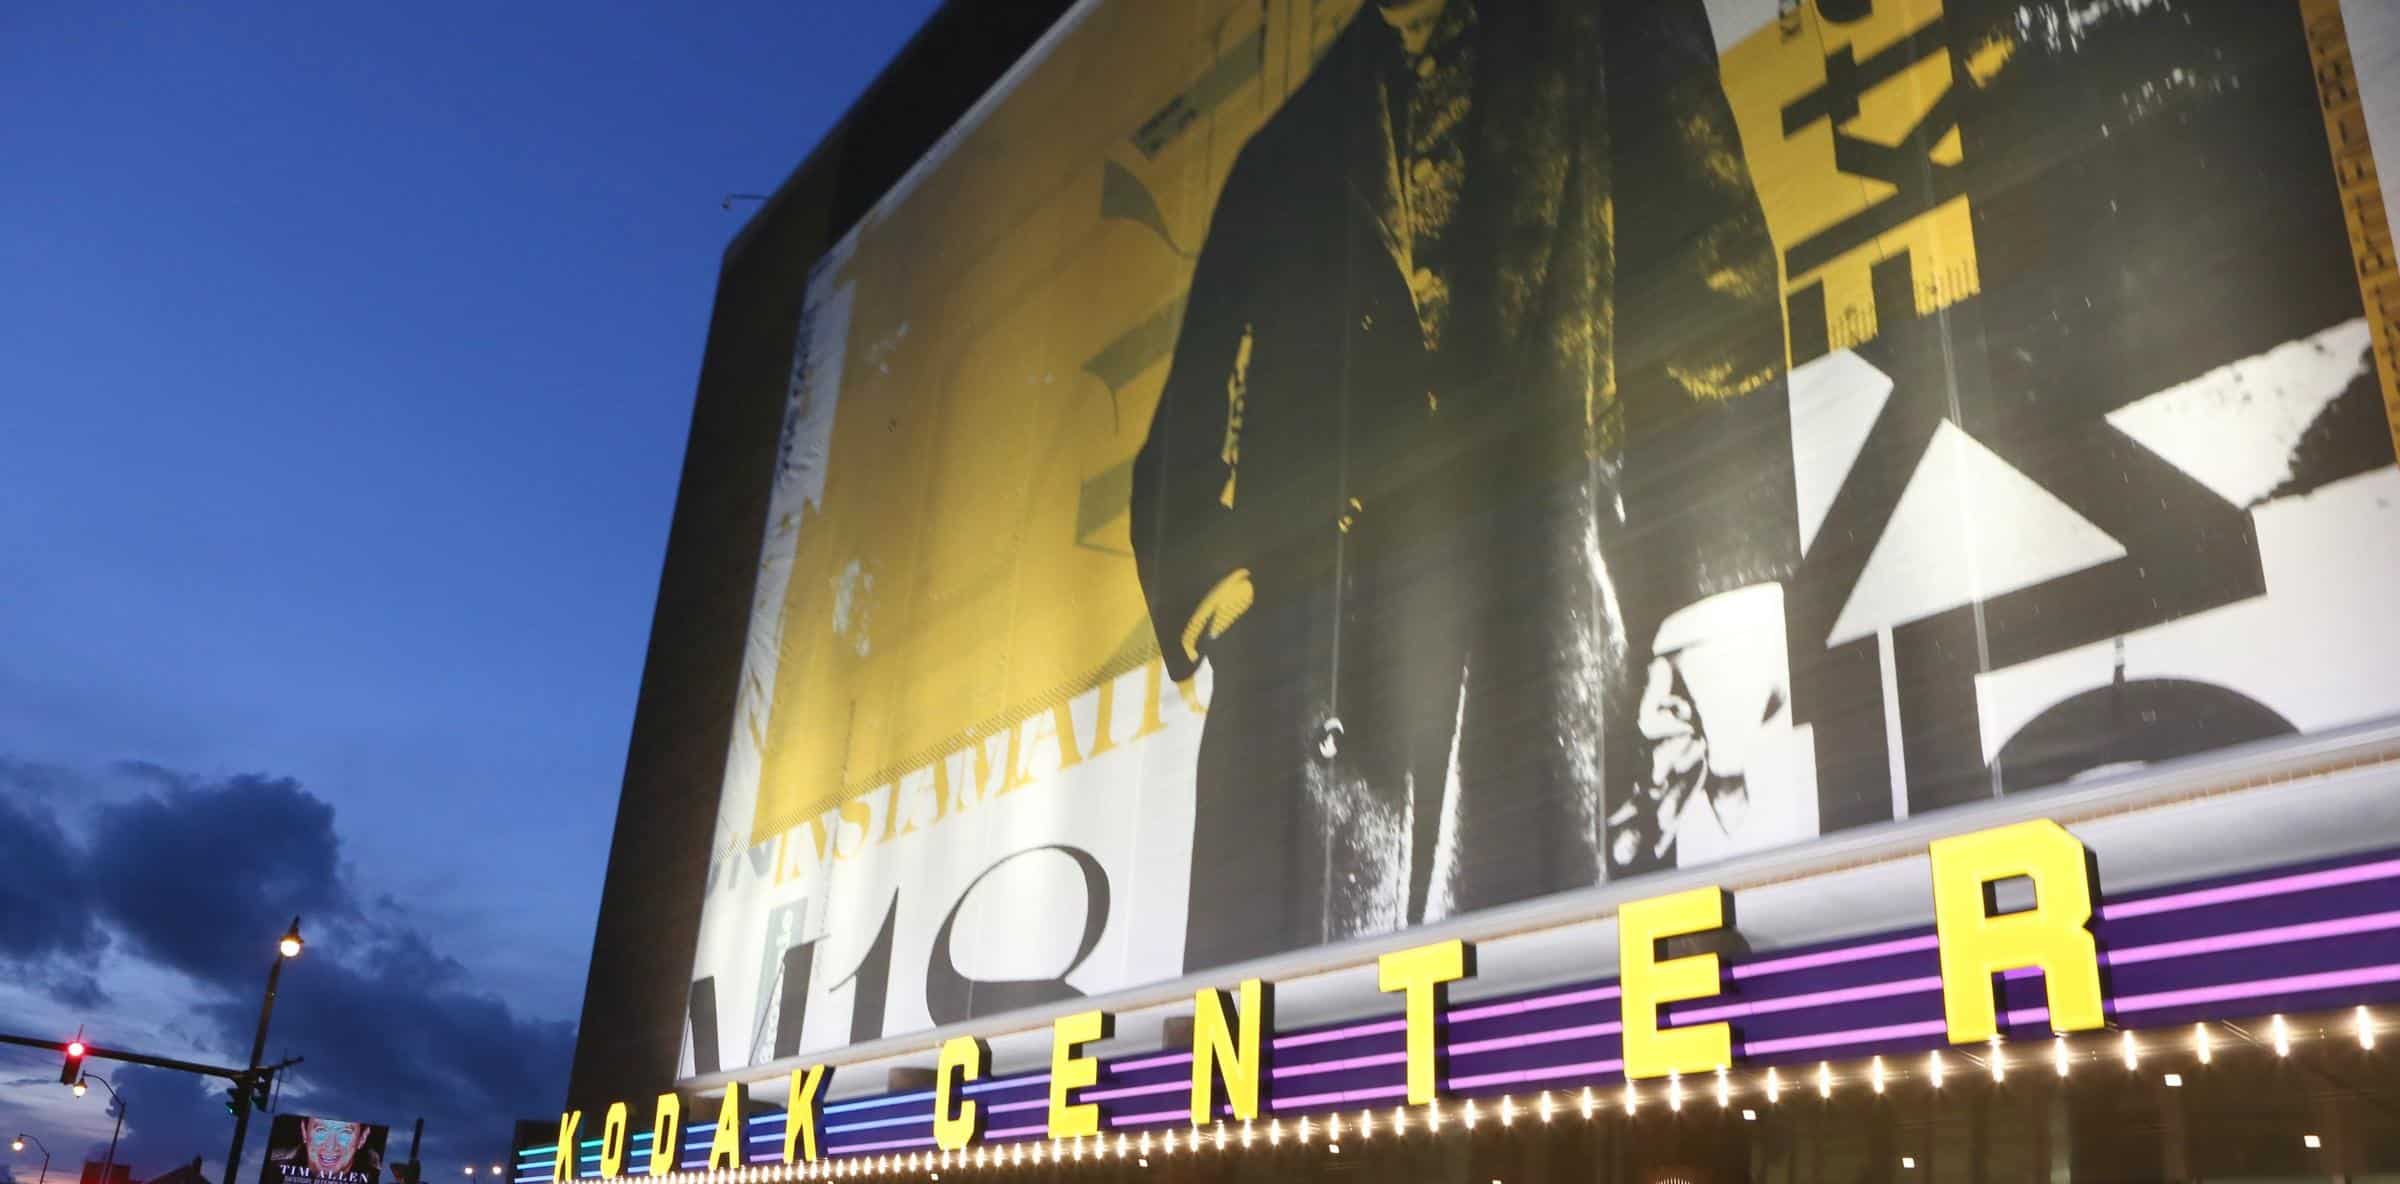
(199, 875)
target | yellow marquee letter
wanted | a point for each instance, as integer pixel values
(1976, 945)
(1072, 1069)
(725, 1151)
(1644, 982)
(802, 1109)
(562, 1169)
(1423, 972)
(666, 1133)
(958, 1120)
(1234, 1051)
(612, 1142)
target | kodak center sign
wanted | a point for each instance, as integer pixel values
(1233, 1031)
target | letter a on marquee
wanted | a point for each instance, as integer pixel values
(2051, 935)
(725, 1151)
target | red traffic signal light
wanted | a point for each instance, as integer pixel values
(72, 1071)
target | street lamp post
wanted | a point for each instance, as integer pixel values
(286, 949)
(18, 1144)
(117, 1102)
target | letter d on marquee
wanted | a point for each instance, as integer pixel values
(2051, 935)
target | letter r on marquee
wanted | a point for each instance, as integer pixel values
(2052, 935)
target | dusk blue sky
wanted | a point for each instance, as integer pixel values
(346, 357)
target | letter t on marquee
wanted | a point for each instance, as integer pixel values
(1072, 1069)
(2051, 935)
(1422, 972)
(803, 1109)
(957, 1119)
(1644, 981)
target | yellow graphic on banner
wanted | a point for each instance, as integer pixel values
(1851, 130)
(970, 571)
(2363, 211)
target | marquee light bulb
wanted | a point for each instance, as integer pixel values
(2058, 1055)
(1399, 1120)
(2131, 1051)
(2366, 1028)
(1433, 1117)
(1774, 1084)
(1221, 1136)
(1933, 1068)
(1544, 1106)
(1122, 1145)
(1675, 1092)
(1366, 1124)
(1633, 1098)
(1508, 1111)
(1586, 1103)
(1247, 1134)
(1999, 1061)
(1824, 1079)
(1471, 1114)
(1275, 1133)
(1875, 1074)
(2283, 1035)
(2201, 1044)
(1333, 1127)
(1724, 1088)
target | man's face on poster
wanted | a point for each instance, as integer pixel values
(331, 1144)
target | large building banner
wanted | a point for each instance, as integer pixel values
(1291, 470)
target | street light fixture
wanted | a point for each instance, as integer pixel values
(286, 948)
(117, 1103)
(18, 1144)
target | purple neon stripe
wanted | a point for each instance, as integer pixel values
(1531, 1039)
(2256, 889)
(2255, 988)
(1016, 1107)
(894, 1145)
(1017, 1132)
(1361, 1062)
(2277, 935)
(1158, 1062)
(1378, 1028)
(1146, 1119)
(1872, 950)
(1528, 1076)
(1372, 1094)
(1882, 990)
(1845, 1036)
(1134, 1091)
(1524, 1006)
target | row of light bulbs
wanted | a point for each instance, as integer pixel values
(1468, 1115)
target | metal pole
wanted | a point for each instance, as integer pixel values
(108, 1170)
(45, 1176)
(258, 1048)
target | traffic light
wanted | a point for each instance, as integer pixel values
(260, 1088)
(234, 1094)
(72, 1071)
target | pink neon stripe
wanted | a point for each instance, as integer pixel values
(1376, 1093)
(1366, 1062)
(1016, 1132)
(2310, 931)
(2289, 985)
(1014, 1107)
(1881, 949)
(2256, 889)
(1153, 1116)
(894, 1145)
(1133, 1091)
(1159, 1062)
(1354, 1031)
(1527, 1076)
(1530, 1039)
(1847, 1036)
(1882, 990)
(1524, 1006)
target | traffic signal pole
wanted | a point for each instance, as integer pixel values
(258, 1048)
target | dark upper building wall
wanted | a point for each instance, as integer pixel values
(632, 1024)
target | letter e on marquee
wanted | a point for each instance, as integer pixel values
(1645, 981)
(1072, 1069)
(2052, 935)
